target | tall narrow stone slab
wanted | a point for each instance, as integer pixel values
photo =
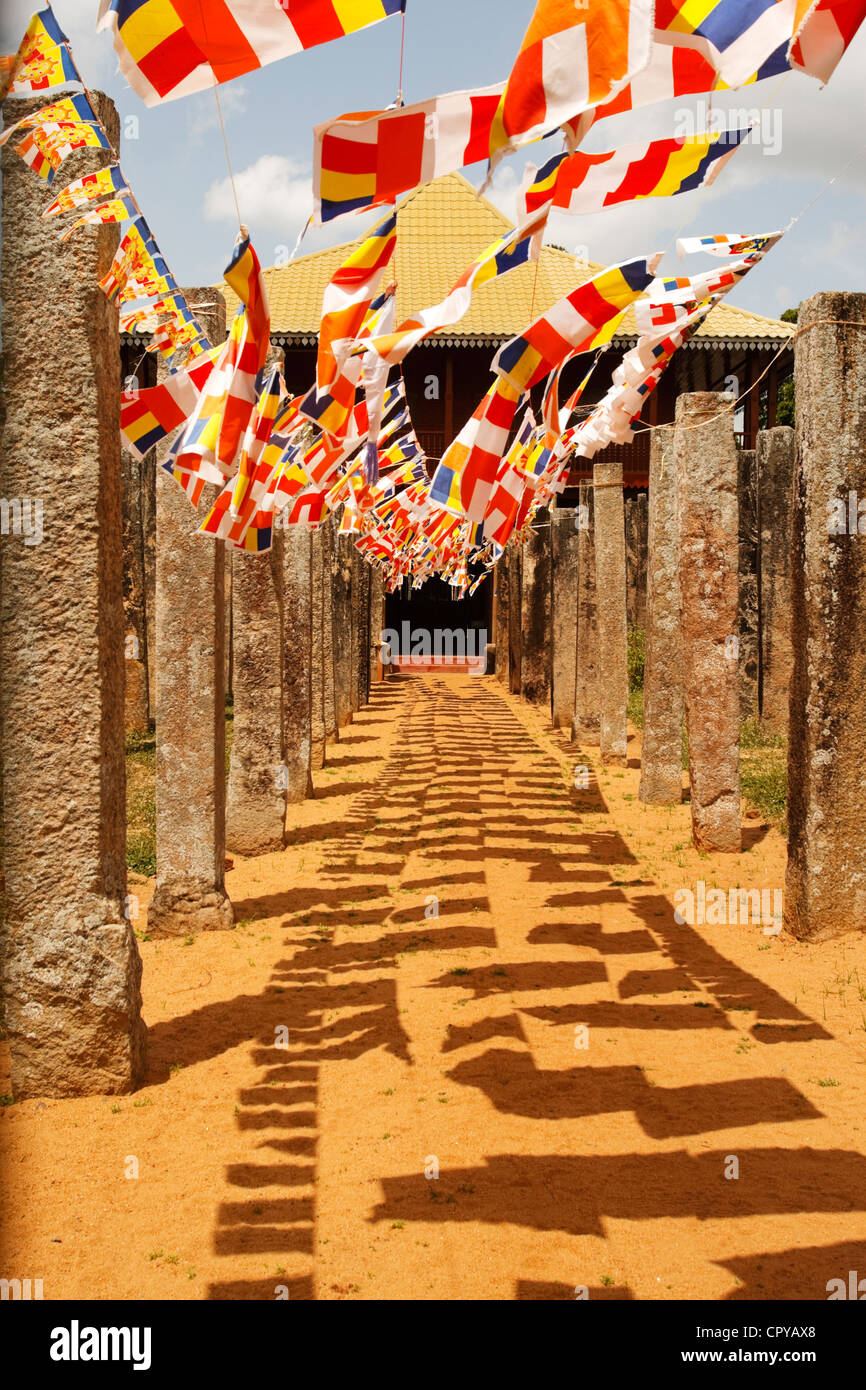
(612, 626)
(345, 684)
(71, 968)
(748, 600)
(134, 476)
(317, 610)
(500, 616)
(776, 465)
(706, 464)
(565, 542)
(377, 625)
(297, 661)
(190, 638)
(515, 616)
(661, 768)
(361, 625)
(536, 604)
(329, 703)
(256, 813)
(636, 522)
(826, 878)
(586, 722)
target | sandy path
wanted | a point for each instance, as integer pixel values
(450, 914)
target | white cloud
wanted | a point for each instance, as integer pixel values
(274, 192)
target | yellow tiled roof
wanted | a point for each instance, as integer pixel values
(441, 229)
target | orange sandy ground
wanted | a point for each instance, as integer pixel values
(415, 1038)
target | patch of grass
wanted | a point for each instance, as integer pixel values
(635, 708)
(636, 657)
(7, 1100)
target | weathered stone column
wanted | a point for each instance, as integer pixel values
(565, 545)
(747, 603)
(661, 768)
(320, 580)
(134, 475)
(377, 624)
(256, 812)
(776, 464)
(826, 878)
(361, 625)
(612, 627)
(345, 683)
(535, 620)
(500, 616)
(515, 614)
(71, 968)
(706, 464)
(297, 661)
(586, 722)
(190, 641)
(329, 705)
(636, 522)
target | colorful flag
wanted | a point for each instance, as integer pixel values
(572, 57)
(213, 436)
(138, 270)
(44, 148)
(348, 297)
(670, 72)
(574, 323)
(170, 48)
(117, 210)
(367, 158)
(513, 249)
(99, 184)
(726, 244)
(43, 59)
(466, 472)
(148, 416)
(822, 32)
(66, 111)
(743, 39)
(585, 183)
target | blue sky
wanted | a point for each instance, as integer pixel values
(176, 160)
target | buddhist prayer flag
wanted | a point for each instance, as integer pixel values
(45, 147)
(170, 48)
(513, 249)
(368, 158)
(572, 57)
(585, 183)
(670, 72)
(349, 296)
(822, 32)
(67, 111)
(744, 40)
(117, 210)
(138, 270)
(148, 416)
(466, 472)
(43, 59)
(574, 323)
(100, 184)
(726, 244)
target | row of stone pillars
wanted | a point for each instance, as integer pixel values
(754, 607)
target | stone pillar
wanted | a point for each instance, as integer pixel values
(515, 613)
(661, 767)
(747, 602)
(612, 628)
(329, 707)
(500, 616)
(535, 620)
(297, 661)
(133, 480)
(586, 721)
(256, 813)
(826, 878)
(71, 968)
(706, 464)
(361, 625)
(345, 683)
(636, 559)
(190, 641)
(565, 545)
(776, 464)
(320, 580)
(377, 624)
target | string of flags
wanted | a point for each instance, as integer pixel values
(347, 445)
